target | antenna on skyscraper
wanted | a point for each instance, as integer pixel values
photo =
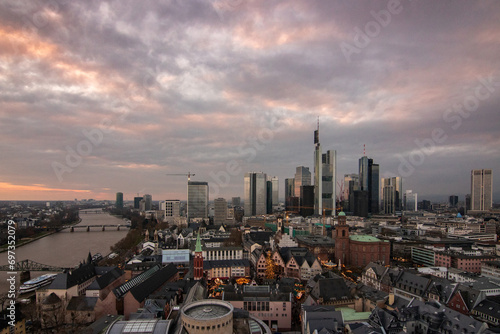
(364, 150)
(318, 123)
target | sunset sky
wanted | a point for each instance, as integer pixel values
(104, 96)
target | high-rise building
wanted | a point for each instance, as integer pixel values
(172, 208)
(255, 194)
(137, 202)
(318, 177)
(351, 183)
(197, 203)
(347, 185)
(148, 202)
(269, 197)
(363, 173)
(392, 190)
(325, 180)
(481, 189)
(369, 174)
(236, 201)
(360, 203)
(307, 201)
(275, 197)
(220, 211)
(119, 201)
(302, 178)
(289, 192)
(374, 187)
(453, 201)
(329, 180)
(410, 200)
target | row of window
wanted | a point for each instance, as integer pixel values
(213, 327)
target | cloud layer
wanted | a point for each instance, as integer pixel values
(98, 97)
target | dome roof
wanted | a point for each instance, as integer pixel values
(341, 213)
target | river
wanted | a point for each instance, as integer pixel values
(68, 249)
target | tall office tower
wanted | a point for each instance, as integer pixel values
(137, 201)
(481, 189)
(347, 179)
(269, 197)
(148, 202)
(236, 201)
(363, 173)
(275, 197)
(453, 201)
(369, 174)
(329, 181)
(374, 188)
(197, 203)
(255, 194)
(220, 211)
(467, 202)
(172, 208)
(351, 184)
(410, 200)
(307, 200)
(119, 201)
(289, 192)
(318, 177)
(392, 189)
(302, 178)
(360, 203)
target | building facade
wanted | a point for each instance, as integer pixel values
(358, 250)
(197, 204)
(220, 211)
(255, 185)
(481, 189)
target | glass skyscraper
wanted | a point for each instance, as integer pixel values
(481, 189)
(255, 185)
(197, 205)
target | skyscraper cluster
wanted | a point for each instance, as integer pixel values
(319, 198)
(261, 193)
(360, 193)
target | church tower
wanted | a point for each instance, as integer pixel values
(198, 260)
(342, 240)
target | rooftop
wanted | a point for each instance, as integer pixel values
(351, 315)
(364, 238)
(207, 309)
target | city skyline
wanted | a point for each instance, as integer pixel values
(102, 97)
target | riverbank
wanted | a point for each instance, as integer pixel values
(26, 241)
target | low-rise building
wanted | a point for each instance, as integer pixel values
(490, 269)
(270, 304)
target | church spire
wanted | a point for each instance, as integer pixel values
(198, 244)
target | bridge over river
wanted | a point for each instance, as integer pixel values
(114, 227)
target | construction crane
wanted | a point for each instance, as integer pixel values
(188, 175)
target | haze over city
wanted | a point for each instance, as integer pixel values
(100, 97)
